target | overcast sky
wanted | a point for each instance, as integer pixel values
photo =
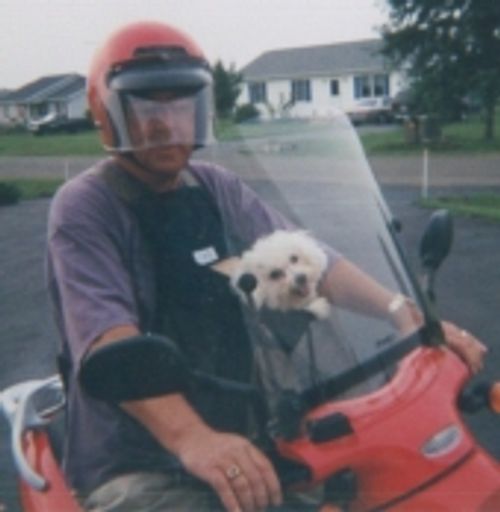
(42, 37)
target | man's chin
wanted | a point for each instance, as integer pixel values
(165, 158)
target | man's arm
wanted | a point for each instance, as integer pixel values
(349, 287)
(204, 452)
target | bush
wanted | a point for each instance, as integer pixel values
(13, 129)
(9, 194)
(245, 113)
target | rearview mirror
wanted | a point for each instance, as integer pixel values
(435, 247)
(134, 368)
(437, 240)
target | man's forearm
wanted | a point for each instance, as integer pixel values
(167, 417)
(349, 287)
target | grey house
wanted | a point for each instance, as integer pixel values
(61, 96)
(319, 80)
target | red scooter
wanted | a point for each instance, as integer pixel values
(375, 417)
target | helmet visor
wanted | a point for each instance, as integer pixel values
(160, 119)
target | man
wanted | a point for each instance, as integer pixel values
(133, 244)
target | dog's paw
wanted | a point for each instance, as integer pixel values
(319, 307)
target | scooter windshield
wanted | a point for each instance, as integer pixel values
(315, 173)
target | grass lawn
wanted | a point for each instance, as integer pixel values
(485, 206)
(26, 144)
(464, 136)
(33, 188)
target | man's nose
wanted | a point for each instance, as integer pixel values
(159, 123)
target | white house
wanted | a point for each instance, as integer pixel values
(315, 81)
(60, 95)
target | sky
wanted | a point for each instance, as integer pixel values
(44, 37)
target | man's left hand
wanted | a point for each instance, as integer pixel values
(465, 345)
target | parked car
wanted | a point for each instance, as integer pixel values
(58, 124)
(372, 110)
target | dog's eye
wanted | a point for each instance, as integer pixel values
(294, 258)
(276, 274)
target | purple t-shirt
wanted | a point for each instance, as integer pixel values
(100, 275)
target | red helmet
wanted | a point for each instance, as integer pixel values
(144, 73)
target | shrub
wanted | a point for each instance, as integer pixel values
(245, 113)
(9, 193)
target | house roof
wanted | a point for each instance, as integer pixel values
(47, 88)
(331, 60)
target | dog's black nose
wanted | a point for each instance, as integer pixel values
(301, 279)
(247, 283)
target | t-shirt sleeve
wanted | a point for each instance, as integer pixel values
(93, 287)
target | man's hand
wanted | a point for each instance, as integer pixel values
(465, 345)
(241, 475)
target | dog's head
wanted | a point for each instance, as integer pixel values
(287, 266)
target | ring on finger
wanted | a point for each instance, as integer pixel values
(233, 472)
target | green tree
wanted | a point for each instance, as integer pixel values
(451, 49)
(227, 88)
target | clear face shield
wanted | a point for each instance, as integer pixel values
(146, 118)
(160, 121)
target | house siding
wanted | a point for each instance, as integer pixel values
(77, 106)
(277, 69)
(322, 104)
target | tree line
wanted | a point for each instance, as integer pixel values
(450, 50)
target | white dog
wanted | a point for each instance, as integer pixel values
(287, 266)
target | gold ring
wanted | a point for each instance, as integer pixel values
(233, 472)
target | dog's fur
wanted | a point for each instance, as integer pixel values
(287, 266)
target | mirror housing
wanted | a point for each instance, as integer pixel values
(437, 240)
(134, 368)
(435, 246)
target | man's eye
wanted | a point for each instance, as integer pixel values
(276, 274)
(294, 258)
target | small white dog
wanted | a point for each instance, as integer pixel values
(287, 266)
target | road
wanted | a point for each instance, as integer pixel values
(467, 285)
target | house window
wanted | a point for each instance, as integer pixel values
(381, 85)
(258, 92)
(370, 86)
(334, 87)
(38, 110)
(301, 90)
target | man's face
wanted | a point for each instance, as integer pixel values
(162, 128)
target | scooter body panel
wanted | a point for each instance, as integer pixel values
(56, 496)
(472, 486)
(404, 438)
